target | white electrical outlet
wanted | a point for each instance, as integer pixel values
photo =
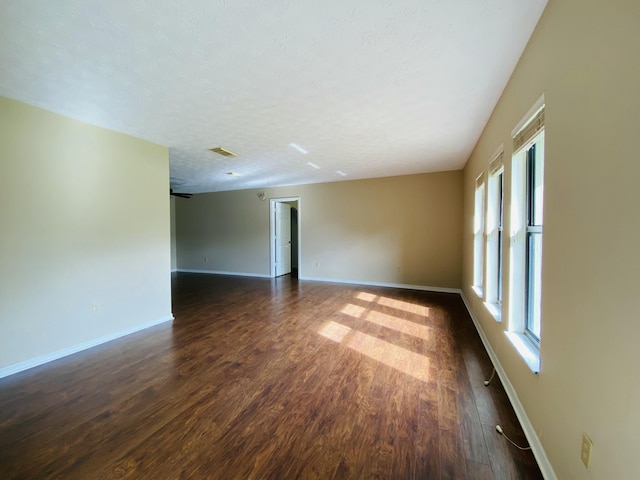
(585, 451)
(317, 264)
(95, 308)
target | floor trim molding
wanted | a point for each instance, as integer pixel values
(530, 432)
(219, 272)
(50, 357)
(385, 284)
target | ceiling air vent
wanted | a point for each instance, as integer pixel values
(223, 152)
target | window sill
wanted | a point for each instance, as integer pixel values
(527, 350)
(477, 290)
(495, 310)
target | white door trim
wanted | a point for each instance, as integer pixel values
(272, 233)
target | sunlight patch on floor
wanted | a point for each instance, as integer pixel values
(404, 306)
(367, 297)
(334, 331)
(353, 310)
(384, 352)
(399, 324)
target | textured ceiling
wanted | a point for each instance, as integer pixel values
(367, 87)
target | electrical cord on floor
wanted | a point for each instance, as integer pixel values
(501, 432)
(498, 427)
(493, 374)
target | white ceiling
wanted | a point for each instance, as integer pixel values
(368, 87)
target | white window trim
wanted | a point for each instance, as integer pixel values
(529, 352)
(538, 139)
(525, 346)
(535, 108)
(494, 259)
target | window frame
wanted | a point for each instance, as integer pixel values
(533, 229)
(495, 238)
(479, 236)
(522, 337)
(530, 130)
(500, 273)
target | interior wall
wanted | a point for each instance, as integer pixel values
(403, 229)
(84, 242)
(583, 56)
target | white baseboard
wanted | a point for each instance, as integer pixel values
(218, 272)
(530, 432)
(384, 284)
(49, 357)
(332, 280)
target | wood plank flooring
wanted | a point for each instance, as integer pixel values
(273, 379)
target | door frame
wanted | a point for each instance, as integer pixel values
(272, 233)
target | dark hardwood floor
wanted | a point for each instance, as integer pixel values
(277, 379)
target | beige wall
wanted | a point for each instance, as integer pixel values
(584, 57)
(390, 230)
(84, 220)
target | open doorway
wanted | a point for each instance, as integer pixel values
(284, 236)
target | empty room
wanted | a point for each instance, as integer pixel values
(385, 239)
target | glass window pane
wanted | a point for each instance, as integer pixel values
(499, 288)
(500, 199)
(478, 228)
(500, 223)
(478, 260)
(534, 283)
(538, 186)
(479, 213)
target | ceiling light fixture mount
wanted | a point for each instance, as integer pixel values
(223, 151)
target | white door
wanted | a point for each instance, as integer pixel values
(283, 238)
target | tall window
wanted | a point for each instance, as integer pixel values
(525, 289)
(495, 209)
(534, 240)
(478, 236)
(498, 275)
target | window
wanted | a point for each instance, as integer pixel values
(498, 275)
(526, 236)
(495, 208)
(478, 236)
(533, 264)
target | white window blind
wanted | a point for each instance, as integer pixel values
(496, 164)
(530, 130)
